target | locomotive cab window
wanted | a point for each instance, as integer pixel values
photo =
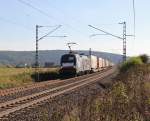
(68, 59)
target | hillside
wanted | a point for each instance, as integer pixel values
(28, 57)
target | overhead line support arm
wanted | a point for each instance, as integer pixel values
(105, 32)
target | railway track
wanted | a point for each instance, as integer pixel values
(32, 86)
(10, 107)
(10, 94)
(24, 88)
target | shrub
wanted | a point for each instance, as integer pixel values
(44, 76)
(144, 58)
(131, 63)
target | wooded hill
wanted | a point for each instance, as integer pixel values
(14, 58)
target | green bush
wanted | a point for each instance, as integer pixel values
(144, 58)
(131, 63)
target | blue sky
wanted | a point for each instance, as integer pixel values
(17, 24)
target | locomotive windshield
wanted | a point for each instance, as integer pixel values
(68, 58)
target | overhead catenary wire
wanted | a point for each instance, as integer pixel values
(123, 38)
(93, 35)
(71, 18)
(49, 16)
(15, 23)
(36, 8)
(37, 48)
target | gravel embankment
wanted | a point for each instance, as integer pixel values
(58, 109)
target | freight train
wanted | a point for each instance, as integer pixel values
(79, 64)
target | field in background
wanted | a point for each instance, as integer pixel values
(12, 77)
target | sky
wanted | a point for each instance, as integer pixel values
(18, 19)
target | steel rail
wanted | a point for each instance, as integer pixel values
(12, 91)
(74, 85)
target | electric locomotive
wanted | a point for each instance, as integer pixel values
(79, 64)
(74, 64)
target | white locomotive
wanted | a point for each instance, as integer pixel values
(76, 64)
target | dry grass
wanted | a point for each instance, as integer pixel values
(12, 77)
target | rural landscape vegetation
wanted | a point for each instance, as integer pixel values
(84, 82)
(125, 98)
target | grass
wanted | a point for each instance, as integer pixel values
(13, 77)
(127, 99)
(137, 82)
(130, 63)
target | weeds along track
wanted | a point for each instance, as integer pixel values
(10, 107)
(10, 94)
(6, 92)
(32, 86)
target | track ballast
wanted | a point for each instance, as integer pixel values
(60, 87)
